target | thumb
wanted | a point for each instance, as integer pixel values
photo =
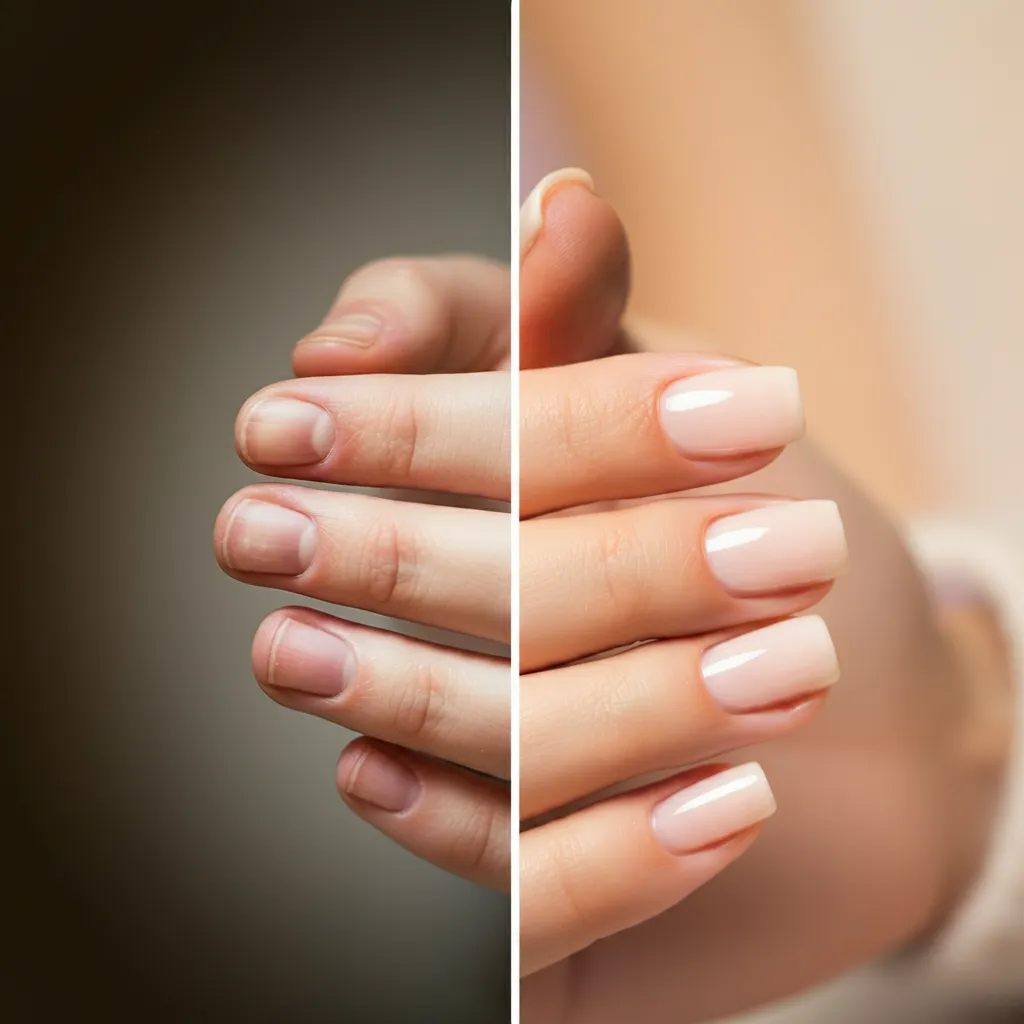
(574, 273)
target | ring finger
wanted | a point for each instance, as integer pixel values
(667, 704)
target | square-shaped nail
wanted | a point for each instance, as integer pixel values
(729, 412)
(772, 665)
(782, 546)
(713, 810)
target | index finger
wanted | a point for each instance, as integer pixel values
(644, 424)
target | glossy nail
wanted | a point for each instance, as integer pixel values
(377, 779)
(714, 809)
(308, 659)
(772, 665)
(263, 537)
(531, 214)
(748, 409)
(285, 432)
(782, 546)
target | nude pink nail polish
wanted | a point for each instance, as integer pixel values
(713, 810)
(728, 412)
(772, 665)
(782, 546)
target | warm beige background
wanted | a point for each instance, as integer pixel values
(927, 98)
(923, 103)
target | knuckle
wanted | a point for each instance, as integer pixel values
(564, 861)
(411, 283)
(388, 563)
(621, 564)
(398, 431)
(420, 704)
(479, 839)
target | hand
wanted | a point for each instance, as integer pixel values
(882, 815)
(707, 580)
(430, 771)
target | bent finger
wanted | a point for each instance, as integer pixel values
(441, 314)
(439, 812)
(628, 858)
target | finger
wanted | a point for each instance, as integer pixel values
(439, 812)
(664, 704)
(444, 432)
(623, 860)
(574, 276)
(644, 424)
(446, 567)
(444, 314)
(679, 567)
(449, 704)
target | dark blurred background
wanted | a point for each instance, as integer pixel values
(186, 185)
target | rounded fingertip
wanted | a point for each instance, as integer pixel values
(253, 535)
(368, 772)
(387, 314)
(292, 654)
(283, 431)
(531, 214)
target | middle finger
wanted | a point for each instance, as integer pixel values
(446, 567)
(678, 567)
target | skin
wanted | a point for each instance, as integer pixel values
(769, 264)
(885, 799)
(891, 756)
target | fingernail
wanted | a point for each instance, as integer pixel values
(712, 810)
(772, 665)
(309, 660)
(377, 779)
(263, 537)
(285, 432)
(778, 547)
(749, 409)
(531, 214)
(359, 329)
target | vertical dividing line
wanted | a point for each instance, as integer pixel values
(514, 452)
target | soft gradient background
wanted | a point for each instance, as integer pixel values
(187, 186)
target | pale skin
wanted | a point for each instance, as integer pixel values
(431, 709)
(770, 264)
(884, 799)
